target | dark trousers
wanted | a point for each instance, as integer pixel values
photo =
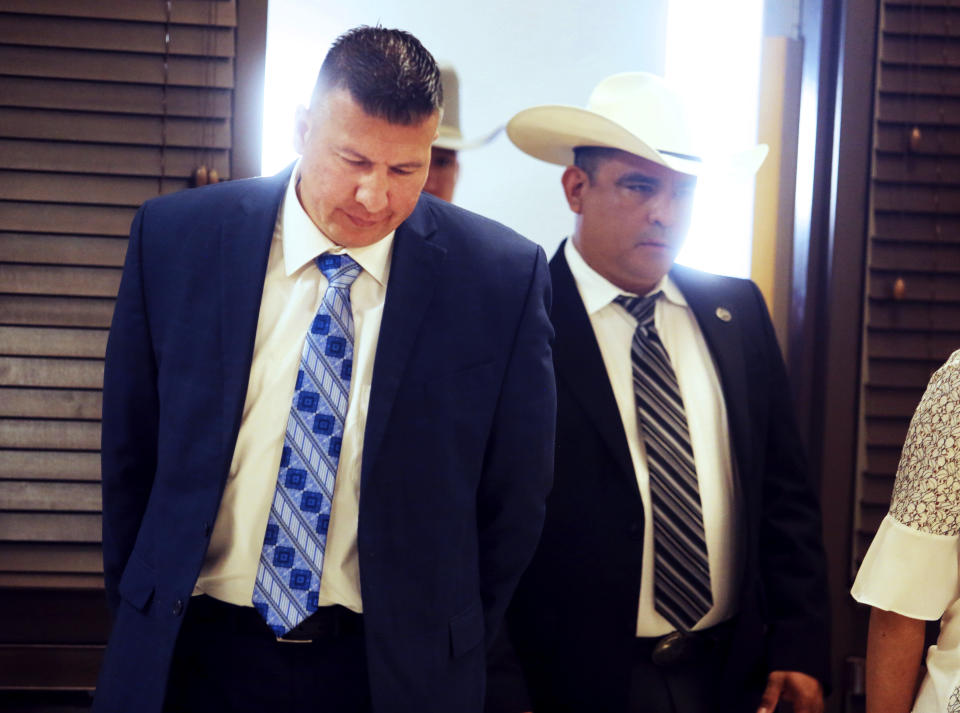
(226, 659)
(690, 684)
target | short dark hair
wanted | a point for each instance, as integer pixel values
(589, 158)
(388, 72)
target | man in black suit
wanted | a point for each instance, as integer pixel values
(681, 567)
(329, 326)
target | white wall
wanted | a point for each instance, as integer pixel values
(509, 55)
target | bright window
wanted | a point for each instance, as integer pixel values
(713, 57)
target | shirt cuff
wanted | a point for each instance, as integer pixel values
(908, 572)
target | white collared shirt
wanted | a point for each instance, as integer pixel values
(292, 291)
(706, 414)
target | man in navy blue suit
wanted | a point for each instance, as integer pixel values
(681, 568)
(328, 422)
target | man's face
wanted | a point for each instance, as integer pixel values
(632, 218)
(444, 169)
(360, 176)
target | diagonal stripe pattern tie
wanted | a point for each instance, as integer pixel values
(682, 592)
(291, 561)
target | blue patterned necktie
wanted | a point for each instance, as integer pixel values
(681, 569)
(291, 561)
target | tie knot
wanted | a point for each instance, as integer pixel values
(641, 308)
(340, 270)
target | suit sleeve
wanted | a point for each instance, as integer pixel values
(518, 467)
(791, 555)
(130, 418)
(507, 690)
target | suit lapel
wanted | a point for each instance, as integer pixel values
(245, 239)
(414, 269)
(724, 340)
(579, 362)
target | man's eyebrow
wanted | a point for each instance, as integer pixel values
(639, 178)
(408, 166)
(353, 154)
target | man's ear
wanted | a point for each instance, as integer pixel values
(301, 129)
(574, 181)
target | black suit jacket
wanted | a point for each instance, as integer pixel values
(573, 620)
(457, 454)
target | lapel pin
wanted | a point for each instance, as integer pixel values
(723, 314)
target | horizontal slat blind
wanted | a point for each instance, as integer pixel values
(102, 106)
(116, 36)
(912, 305)
(49, 93)
(221, 13)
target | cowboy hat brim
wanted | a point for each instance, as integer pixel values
(458, 143)
(551, 132)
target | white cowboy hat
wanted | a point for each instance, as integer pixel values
(636, 112)
(449, 129)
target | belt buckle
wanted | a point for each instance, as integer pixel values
(672, 649)
(285, 640)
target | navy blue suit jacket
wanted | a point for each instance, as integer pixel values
(573, 621)
(457, 454)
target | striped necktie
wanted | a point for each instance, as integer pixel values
(287, 587)
(682, 592)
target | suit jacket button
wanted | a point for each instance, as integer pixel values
(635, 531)
(178, 607)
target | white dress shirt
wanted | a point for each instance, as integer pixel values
(706, 412)
(292, 292)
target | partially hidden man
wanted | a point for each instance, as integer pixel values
(444, 162)
(328, 421)
(681, 568)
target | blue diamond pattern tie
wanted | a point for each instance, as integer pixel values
(291, 561)
(681, 569)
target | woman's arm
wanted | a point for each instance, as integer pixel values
(894, 651)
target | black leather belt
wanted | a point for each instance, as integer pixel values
(680, 647)
(325, 623)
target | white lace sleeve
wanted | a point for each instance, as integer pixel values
(918, 539)
(926, 496)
